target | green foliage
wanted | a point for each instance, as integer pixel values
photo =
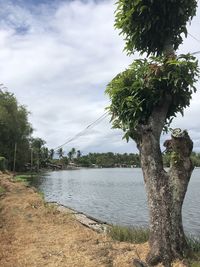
(41, 194)
(2, 164)
(135, 92)
(60, 153)
(51, 154)
(171, 156)
(129, 234)
(195, 264)
(37, 143)
(139, 235)
(195, 157)
(23, 178)
(72, 154)
(193, 243)
(108, 160)
(194, 251)
(15, 128)
(40, 153)
(148, 25)
(64, 161)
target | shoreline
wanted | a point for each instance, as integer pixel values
(86, 220)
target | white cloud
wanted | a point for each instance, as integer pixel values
(58, 58)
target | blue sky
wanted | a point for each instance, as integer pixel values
(58, 56)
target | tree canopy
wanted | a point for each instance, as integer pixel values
(154, 27)
(135, 92)
(149, 25)
(14, 129)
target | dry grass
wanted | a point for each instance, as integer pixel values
(34, 234)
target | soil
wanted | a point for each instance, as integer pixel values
(36, 234)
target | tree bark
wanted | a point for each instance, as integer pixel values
(165, 190)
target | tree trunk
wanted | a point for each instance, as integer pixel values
(165, 190)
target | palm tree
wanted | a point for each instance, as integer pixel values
(78, 154)
(51, 153)
(72, 153)
(73, 150)
(60, 153)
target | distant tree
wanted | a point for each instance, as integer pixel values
(144, 100)
(71, 154)
(196, 159)
(78, 154)
(40, 153)
(73, 150)
(84, 161)
(65, 161)
(105, 160)
(51, 153)
(44, 158)
(60, 153)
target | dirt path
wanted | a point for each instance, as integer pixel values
(33, 233)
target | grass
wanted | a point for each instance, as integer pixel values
(25, 178)
(194, 247)
(138, 235)
(135, 235)
(2, 190)
(194, 243)
(41, 194)
(22, 178)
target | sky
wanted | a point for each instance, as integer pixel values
(57, 57)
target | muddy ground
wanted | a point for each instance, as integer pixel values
(36, 234)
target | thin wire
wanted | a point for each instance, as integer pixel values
(195, 53)
(91, 125)
(83, 131)
(196, 39)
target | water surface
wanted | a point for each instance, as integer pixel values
(114, 195)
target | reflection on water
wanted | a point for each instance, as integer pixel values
(113, 195)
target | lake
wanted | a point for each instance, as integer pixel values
(114, 195)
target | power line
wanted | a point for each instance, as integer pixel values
(196, 39)
(102, 117)
(91, 125)
(195, 53)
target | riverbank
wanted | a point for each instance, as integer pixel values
(35, 234)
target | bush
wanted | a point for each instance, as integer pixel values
(2, 164)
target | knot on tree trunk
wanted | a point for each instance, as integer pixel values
(180, 143)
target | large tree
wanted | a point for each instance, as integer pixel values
(15, 130)
(144, 100)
